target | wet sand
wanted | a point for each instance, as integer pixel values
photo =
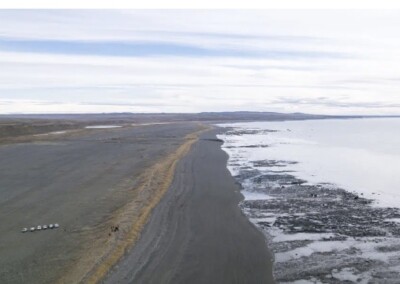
(197, 233)
(84, 181)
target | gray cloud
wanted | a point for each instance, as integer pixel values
(329, 102)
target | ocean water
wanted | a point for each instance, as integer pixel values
(358, 155)
(102, 126)
(325, 193)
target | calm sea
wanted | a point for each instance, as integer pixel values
(360, 155)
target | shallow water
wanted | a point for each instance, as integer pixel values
(361, 155)
(102, 126)
(324, 193)
(51, 133)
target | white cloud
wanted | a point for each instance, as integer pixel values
(356, 63)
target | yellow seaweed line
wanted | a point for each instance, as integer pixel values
(161, 175)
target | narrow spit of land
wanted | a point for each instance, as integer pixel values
(90, 181)
(197, 233)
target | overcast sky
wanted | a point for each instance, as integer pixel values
(327, 62)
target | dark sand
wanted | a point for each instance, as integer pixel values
(78, 181)
(197, 233)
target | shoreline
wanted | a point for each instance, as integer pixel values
(153, 184)
(317, 232)
(85, 182)
(197, 232)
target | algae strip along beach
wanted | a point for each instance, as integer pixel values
(133, 216)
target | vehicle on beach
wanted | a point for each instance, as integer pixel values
(40, 228)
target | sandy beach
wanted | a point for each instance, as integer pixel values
(197, 233)
(87, 182)
(153, 201)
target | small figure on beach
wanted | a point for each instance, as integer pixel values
(115, 228)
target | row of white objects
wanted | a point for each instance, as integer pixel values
(39, 228)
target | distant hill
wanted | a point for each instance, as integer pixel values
(28, 124)
(154, 117)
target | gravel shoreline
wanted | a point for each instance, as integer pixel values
(81, 181)
(197, 233)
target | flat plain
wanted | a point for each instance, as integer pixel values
(78, 179)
